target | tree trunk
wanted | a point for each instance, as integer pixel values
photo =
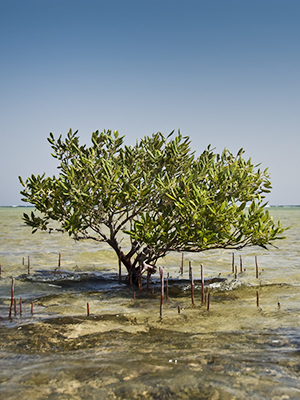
(133, 268)
(135, 271)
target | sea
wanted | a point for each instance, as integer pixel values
(70, 329)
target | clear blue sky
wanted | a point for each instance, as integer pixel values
(224, 72)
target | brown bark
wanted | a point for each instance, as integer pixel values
(133, 267)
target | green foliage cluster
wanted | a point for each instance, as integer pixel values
(157, 192)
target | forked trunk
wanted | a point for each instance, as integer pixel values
(135, 271)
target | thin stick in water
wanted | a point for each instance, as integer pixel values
(256, 267)
(233, 263)
(28, 265)
(88, 309)
(257, 298)
(202, 284)
(178, 308)
(140, 278)
(59, 260)
(161, 273)
(241, 264)
(208, 301)
(192, 282)
(206, 294)
(21, 311)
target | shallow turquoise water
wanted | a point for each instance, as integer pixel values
(123, 350)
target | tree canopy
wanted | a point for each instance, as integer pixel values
(157, 192)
